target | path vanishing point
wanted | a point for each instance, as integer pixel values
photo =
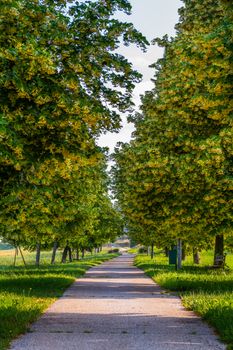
(116, 307)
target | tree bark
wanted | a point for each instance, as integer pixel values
(219, 251)
(38, 246)
(179, 254)
(55, 246)
(166, 251)
(83, 253)
(152, 251)
(64, 254)
(70, 254)
(196, 256)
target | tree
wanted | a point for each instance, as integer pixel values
(181, 154)
(59, 83)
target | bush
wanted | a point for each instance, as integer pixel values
(114, 250)
(142, 250)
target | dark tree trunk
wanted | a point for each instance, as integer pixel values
(166, 251)
(83, 253)
(152, 251)
(196, 256)
(55, 246)
(64, 254)
(70, 254)
(219, 251)
(38, 246)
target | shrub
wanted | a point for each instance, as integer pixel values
(114, 250)
(142, 250)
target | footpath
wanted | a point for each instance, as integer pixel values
(116, 307)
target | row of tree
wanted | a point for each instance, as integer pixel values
(174, 180)
(62, 84)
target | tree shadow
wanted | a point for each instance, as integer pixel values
(131, 330)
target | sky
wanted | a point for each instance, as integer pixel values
(153, 18)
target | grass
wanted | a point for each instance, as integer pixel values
(25, 292)
(207, 292)
(132, 250)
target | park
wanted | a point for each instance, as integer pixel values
(70, 72)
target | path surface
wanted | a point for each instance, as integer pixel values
(116, 307)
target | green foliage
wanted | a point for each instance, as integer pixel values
(207, 292)
(142, 250)
(174, 179)
(59, 89)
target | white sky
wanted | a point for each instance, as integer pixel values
(154, 18)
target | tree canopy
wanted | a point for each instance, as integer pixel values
(180, 179)
(62, 84)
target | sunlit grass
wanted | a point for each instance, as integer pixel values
(207, 291)
(25, 292)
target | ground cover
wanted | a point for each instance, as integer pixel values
(25, 292)
(208, 292)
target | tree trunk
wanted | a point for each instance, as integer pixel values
(55, 246)
(64, 254)
(166, 251)
(219, 251)
(196, 256)
(38, 246)
(179, 254)
(70, 254)
(83, 253)
(152, 251)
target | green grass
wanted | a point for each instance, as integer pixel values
(207, 292)
(25, 292)
(132, 250)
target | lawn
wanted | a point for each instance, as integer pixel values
(208, 292)
(25, 292)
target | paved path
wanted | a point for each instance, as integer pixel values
(116, 307)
